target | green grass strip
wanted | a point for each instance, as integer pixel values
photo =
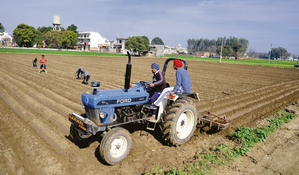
(254, 61)
(57, 52)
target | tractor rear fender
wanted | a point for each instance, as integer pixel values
(193, 95)
(162, 101)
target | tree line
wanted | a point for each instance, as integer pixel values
(231, 47)
(275, 53)
(27, 36)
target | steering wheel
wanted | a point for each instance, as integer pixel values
(145, 84)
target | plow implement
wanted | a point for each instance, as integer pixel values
(214, 120)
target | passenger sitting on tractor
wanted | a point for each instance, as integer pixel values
(158, 84)
(79, 73)
(183, 81)
(86, 77)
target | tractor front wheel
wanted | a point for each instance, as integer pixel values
(180, 122)
(115, 145)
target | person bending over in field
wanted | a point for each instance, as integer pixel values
(34, 62)
(79, 73)
(43, 61)
(86, 77)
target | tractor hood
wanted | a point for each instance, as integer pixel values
(115, 97)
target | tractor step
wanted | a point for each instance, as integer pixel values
(151, 125)
(150, 106)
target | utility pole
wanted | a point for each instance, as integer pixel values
(221, 49)
(270, 53)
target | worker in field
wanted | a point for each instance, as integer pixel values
(183, 81)
(86, 77)
(79, 73)
(157, 86)
(43, 61)
(34, 62)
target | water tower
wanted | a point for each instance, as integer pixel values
(56, 23)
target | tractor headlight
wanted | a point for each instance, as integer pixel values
(103, 115)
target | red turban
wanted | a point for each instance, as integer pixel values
(177, 63)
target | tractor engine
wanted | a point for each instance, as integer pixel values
(128, 113)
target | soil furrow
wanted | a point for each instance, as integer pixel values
(17, 149)
(51, 116)
(46, 132)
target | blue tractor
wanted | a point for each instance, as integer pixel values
(108, 111)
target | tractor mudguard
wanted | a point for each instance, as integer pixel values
(193, 95)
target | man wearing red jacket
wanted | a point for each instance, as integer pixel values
(43, 61)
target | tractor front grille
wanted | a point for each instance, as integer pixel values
(93, 114)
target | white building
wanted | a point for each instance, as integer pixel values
(175, 50)
(5, 39)
(119, 45)
(91, 41)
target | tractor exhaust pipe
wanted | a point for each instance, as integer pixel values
(128, 73)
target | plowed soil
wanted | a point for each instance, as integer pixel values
(34, 126)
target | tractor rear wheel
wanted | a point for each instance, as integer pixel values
(180, 122)
(115, 145)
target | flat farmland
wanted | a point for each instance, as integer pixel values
(34, 126)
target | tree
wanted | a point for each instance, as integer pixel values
(146, 41)
(2, 29)
(227, 51)
(136, 44)
(53, 38)
(279, 52)
(69, 39)
(73, 28)
(24, 35)
(40, 31)
(239, 46)
(44, 29)
(157, 41)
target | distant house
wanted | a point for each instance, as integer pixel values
(119, 45)
(205, 54)
(157, 50)
(175, 50)
(5, 39)
(90, 41)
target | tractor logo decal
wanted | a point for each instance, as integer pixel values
(86, 100)
(120, 101)
(126, 100)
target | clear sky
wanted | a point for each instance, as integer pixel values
(261, 22)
